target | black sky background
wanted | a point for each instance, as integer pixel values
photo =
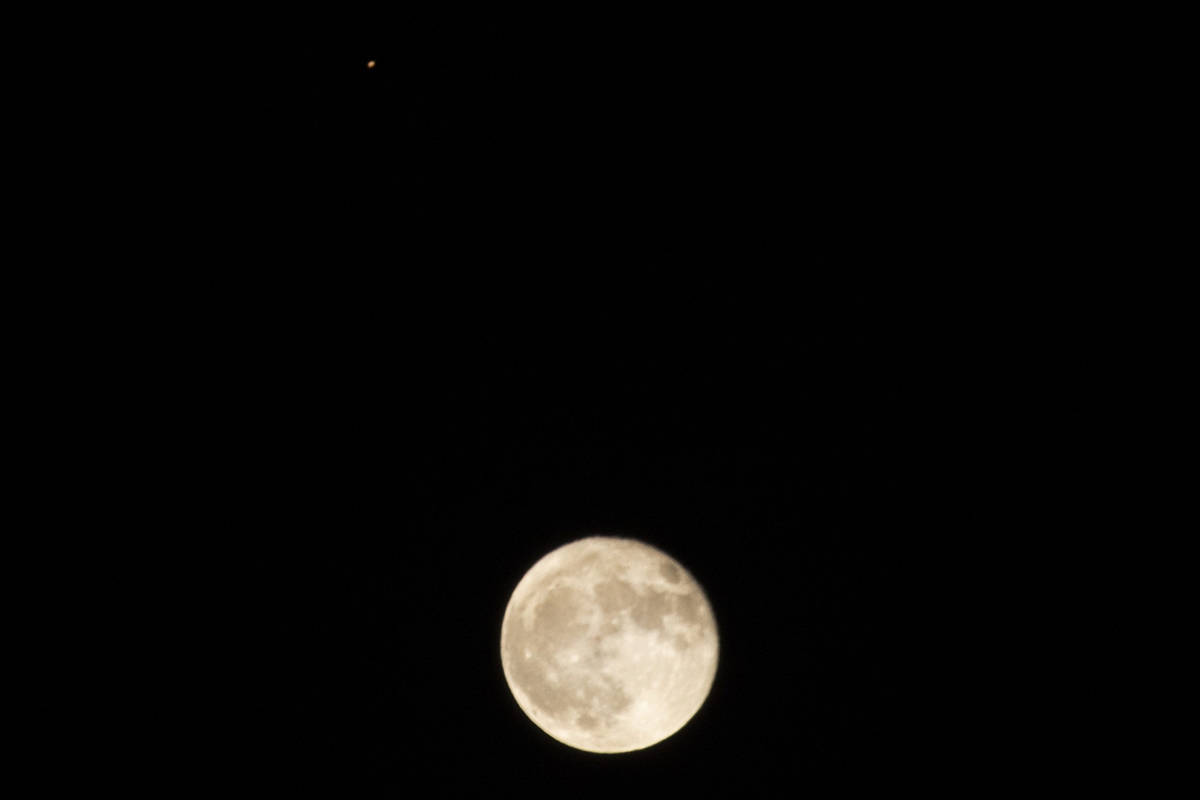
(529, 296)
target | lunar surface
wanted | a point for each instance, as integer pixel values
(609, 645)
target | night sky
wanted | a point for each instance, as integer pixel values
(517, 299)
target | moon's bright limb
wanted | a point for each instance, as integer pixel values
(609, 645)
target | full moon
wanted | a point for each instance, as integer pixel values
(609, 645)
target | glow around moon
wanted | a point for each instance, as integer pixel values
(609, 645)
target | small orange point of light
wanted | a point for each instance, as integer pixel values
(370, 65)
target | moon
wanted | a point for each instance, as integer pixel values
(609, 645)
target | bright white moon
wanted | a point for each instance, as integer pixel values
(609, 645)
